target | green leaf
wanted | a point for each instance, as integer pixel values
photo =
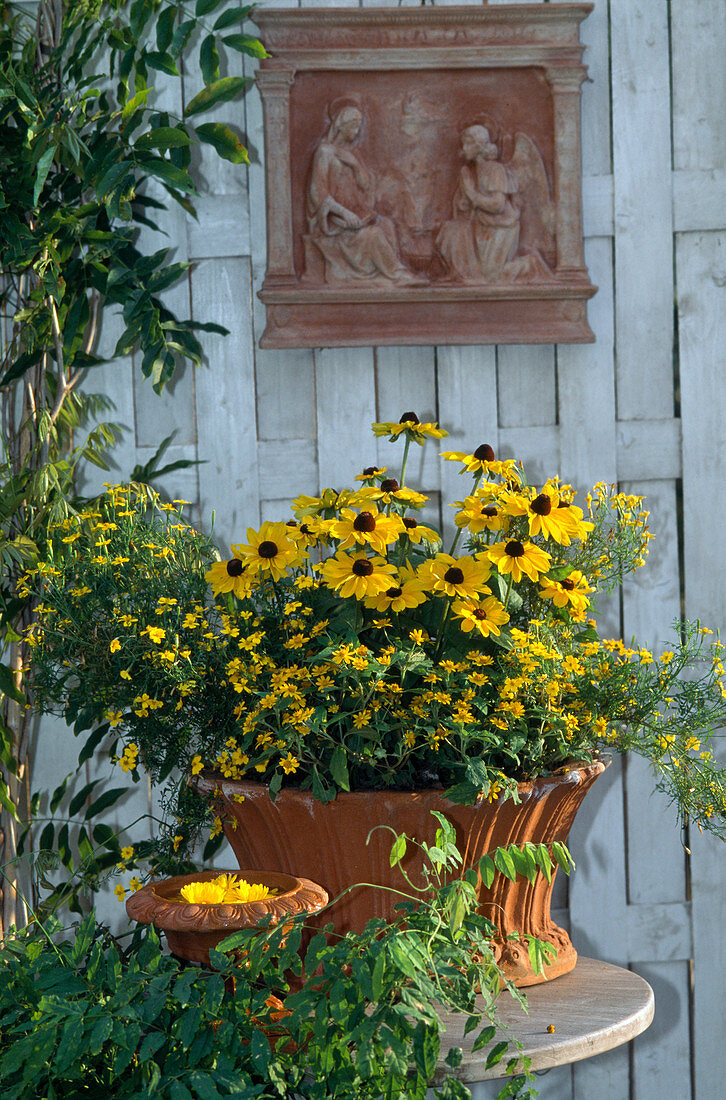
(41, 172)
(244, 43)
(377, 976)
(139, 100)
(108, 798)
(224, 140)
(425, 1049)
(398, 850)
(7, 685)
(6, 801)
(524, 862)
(203, 7)
(504, 863)
(209, 59)
(169, 173)
(79, 798)
(84, 938)
(164, 137)
(339, 768)
(162, 62)
(496, 1054)
(562, 857)
(92, 742)
(231, 16)
(487, 870)
(165, 28)
(219, 91)
(485, 1036)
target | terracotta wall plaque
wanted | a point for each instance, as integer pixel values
(423, 175)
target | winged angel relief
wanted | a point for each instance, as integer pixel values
(484, 241)
(370, 227)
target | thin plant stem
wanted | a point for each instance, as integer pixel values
(405, 460)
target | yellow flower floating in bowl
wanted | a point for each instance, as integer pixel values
(224, 889)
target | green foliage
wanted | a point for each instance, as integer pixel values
(81, 137)
(347, 1017)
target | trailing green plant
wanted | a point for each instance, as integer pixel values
(81, 132)
(358, 1016)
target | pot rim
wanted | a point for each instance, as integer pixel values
(207, 782)
(149, 906)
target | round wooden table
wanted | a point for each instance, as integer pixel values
(593, 1009)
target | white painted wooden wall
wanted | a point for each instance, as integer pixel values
(645, 405)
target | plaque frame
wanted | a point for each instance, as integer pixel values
(513, 72)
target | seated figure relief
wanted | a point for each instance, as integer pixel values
(355, 241)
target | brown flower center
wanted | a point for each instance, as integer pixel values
(268, 549)
(568, 584)
(484, 453)
(409, 523)
(514, 549)
(390, 485)
(394, 592)
(235, 568)
(489, 511)
(541, 505)
(480, 615)
(370, 471)
(409, 418)
(362, 567)
(364, 522)
(454, 575)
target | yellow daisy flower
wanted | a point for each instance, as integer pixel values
(371, 528)
(412, 426)
(408, 592)
(573, 590)
(357, 574)
(416, 531)
(485, 616)
(483, 461)
(269, 550)
(464, 577)
(519, 558)
(230, 576)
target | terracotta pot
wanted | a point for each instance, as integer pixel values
(192, 930)
(329, 842)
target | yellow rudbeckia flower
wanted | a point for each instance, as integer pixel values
(357, 574)
(446, 576)
(519, 559)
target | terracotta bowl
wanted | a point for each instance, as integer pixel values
(193, 929)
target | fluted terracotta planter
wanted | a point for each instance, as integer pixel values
(192, 929)
(329, 842)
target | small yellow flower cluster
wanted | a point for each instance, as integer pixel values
(128, 759)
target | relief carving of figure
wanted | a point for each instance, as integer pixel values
(484, 241)
(354, 240)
